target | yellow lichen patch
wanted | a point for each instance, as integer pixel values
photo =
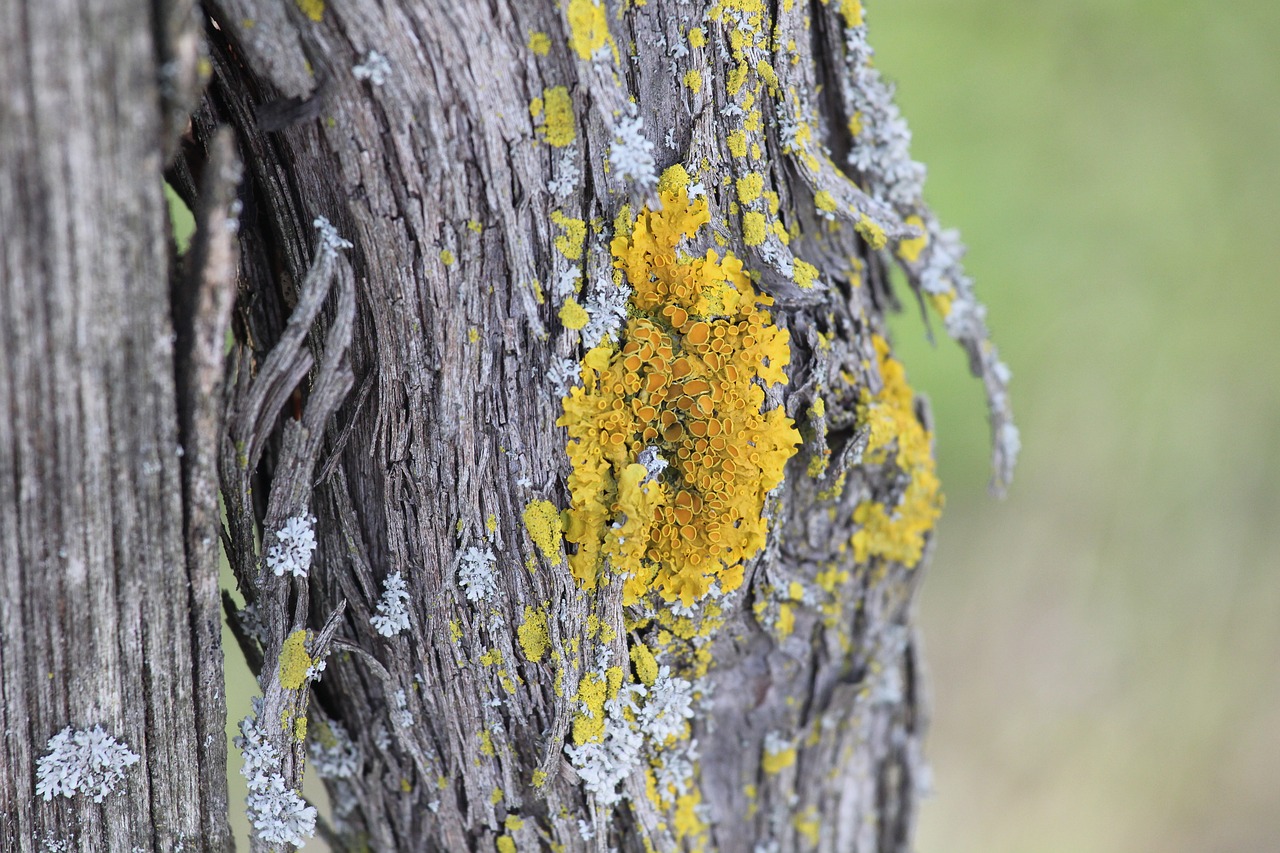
(294, 660)
(942, 301)
(588, 724)
(786, 623)
(808, 825)
(446, 257)
(539, 43)
(539, 778)
(491, 523)
(684, 379)
(588, 28)
(804, 273)
(313, 9)
(542, 523)
(553, 114)
(909, 250)
(697, 38)
(687, 822)
(495, 797)
(823, 200)
(505, 844)
(574, 235)
(486, 744)
(493, 657)
(674, 178)
(776, 762)
(644, 662)
(871, 232)
(753, 230)
(749, 187)
(737, 142)
(855, 123)
(851, 11)
(513, 823)
(896, 434)
(473, 335)
(693, 80)
(533, 635)
(573, 315)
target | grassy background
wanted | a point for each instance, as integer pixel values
(1103, 644)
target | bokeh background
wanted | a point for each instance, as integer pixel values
(1104, 645)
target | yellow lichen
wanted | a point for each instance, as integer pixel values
(589, 29)
(294, 660)
(486, 743)
(896, 435)
(851, 11)
(753, 231)
(539, 778)
(557, 126)
(493, 657)
(737, 142)
(588, 724)
(804, 273)
(686, 379)
(776, 762)
(505, 844)
(495, 797)
(446, 257)
(697, 38)
(644, 662)
(871, 232)
(574, 235)
(674, 178)
(786, 623)
(539, 43)
(573, 315)
(823, 200)
(542, 523)
(749, 187)
(533, 635)
(473, 335)
(693, 80)
(808, 825)
(313, 9)
(909, 249)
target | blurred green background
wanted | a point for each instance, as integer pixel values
(1104, 646)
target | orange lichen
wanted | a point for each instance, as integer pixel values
(686, 379)
(897, 435)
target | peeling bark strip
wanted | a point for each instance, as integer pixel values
(110, 662)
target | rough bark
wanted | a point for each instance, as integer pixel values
(107, 619)
(401, 388)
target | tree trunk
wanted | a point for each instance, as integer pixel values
(573, 490)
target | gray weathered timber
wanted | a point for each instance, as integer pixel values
(106, 619)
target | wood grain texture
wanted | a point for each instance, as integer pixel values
(103, 618)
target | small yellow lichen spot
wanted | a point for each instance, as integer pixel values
(737, 141)
(588, 724)
(697, 38)
(808, 824)
(505, 844)
(693, 80)
(539, 778)
(474, 225)
(589, 29)
(786, 623)
(871, 232)
(491, 657)
(539, 43)
(455, 630)
(942, 301)
(753, 231)
(574, 235)
(300, 729)
(294, 660)
(446, 257)
(496, 796)
(674, 179)
(491, 523)
(752, 121)
(776, 762)
(909, 249)
(795, 591)
(313, 9)
(473, 334)
(851, 11)
(823, 200)
(645, 663)
(486, 744)
(804, 273)
(573, 315)
(558, 129)
(542, 523)
(405, 785)
(533, 635)
(536, 108)
(513, 824)
(855, 123)
(687, 822)
(750, 187)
